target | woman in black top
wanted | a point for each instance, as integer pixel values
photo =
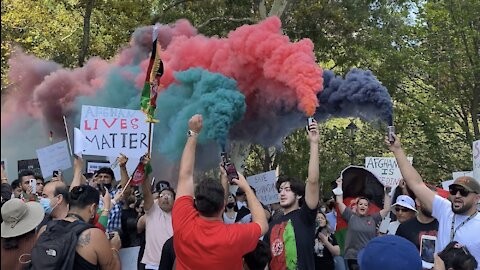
(326, 246)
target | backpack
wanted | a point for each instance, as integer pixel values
(56, 247)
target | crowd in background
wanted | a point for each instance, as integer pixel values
(82, 223)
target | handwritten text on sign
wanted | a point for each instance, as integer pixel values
(111, 131)
(264, 185)
(476, 160)
(385, 168)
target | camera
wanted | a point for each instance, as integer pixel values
(229, 168)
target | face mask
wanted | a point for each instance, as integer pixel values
(230, 205)
(45, 202)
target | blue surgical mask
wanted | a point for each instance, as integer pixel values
(45, 202)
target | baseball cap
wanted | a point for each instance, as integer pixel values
(467, 182)
(389, 252)
(405, 201)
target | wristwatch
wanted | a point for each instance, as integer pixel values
(191, 133)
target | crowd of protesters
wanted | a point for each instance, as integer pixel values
(83, 223)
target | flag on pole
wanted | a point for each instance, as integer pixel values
(148, 100)
(141, 172)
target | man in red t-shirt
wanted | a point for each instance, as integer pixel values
(201, 239)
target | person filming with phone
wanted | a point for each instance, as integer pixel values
(457, 217)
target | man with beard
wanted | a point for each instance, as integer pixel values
(422, 224)
(458, 217)
(291, 236)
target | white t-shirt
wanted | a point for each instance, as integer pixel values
(158, 230)
(468, 234)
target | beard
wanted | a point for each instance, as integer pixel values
(287, 204)
(463, 209)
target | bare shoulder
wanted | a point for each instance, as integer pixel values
(89, 236)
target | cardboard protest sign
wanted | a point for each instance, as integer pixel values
(54, 157)
(111, 131)
(264, 185)
(476, 160)
(29, 164)
(386, 169)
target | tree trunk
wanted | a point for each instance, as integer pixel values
(86, 32)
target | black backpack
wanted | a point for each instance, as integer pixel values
(55, 248)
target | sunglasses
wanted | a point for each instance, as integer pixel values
(454, 190)
(402, 209)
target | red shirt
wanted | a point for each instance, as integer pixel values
(206, 244)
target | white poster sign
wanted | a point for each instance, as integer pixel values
(129, 257)
(54, 157)
(111, 131)
(386, 169)
(93, 166)
(264, 185)
(476, 160)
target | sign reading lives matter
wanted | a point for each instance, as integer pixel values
(111, 131)
(386, 169)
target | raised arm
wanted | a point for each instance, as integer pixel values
(147, 194)
(122, 163)
(410, 175)
(312, 188)
(256, 209)
(185, 177)
(387, 202)
(78, 178)
(224, 181)
(339, 195)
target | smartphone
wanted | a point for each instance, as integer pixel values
(310, 121)
(101, 188)
(33, 184)
(229, 168)
(390, 133)
(427, 249)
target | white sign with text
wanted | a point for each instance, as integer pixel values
(54, 157)
(264, 185)
(476, 160)
(111, 131)
(385, 169)
(456, 175)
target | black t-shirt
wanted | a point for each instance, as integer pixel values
(291, 239)
(323, 257)
(167, 260)
(412, 230)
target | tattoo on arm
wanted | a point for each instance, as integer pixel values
(84, 240)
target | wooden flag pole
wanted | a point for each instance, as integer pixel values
(150, 125)
(68, 136)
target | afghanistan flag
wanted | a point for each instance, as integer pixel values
(148, 100)
(141, 172)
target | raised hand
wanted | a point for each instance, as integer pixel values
(195, 123)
